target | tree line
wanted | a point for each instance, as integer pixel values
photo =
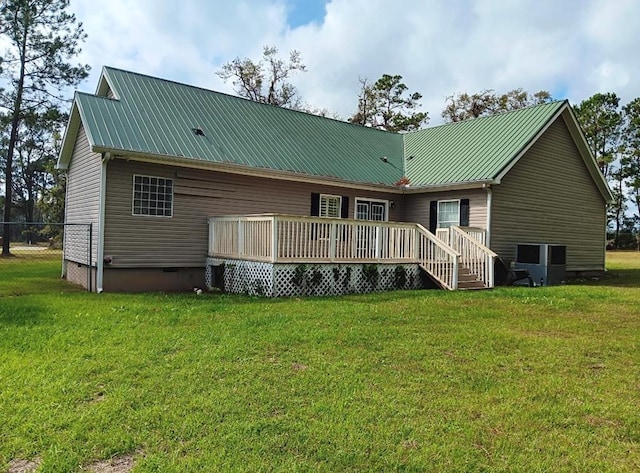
(41, 40)
(612, 131)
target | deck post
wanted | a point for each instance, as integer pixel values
(332, 242)
(274, 238)
(211, 238)
(454, 276)
(491, 270)
(240, 237)
(413, 255)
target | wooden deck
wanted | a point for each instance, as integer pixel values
(275, 238)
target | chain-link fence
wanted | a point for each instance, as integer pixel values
(40, 253)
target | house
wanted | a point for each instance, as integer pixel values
(177, 179)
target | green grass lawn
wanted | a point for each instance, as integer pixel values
(513, 379)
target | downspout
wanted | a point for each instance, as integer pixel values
(487, 242)
(103, 198)
(64, 226)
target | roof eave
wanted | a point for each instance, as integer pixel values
(449, 186)
(183, 161)
(69, 138)
(76, 119)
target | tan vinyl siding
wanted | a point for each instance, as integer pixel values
(550, 197)
(181, 240)
(416, 206)
(83, 195)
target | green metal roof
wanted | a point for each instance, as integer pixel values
(473, 150)
(158, 117)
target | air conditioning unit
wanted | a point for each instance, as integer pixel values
(546, 263)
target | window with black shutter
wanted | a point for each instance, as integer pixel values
(448, 213)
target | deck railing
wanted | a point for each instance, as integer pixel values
(478, 234)
(437, 258)
(247, 237)
(443, 234)
(473, 255)
(294, 239)
(285, 238)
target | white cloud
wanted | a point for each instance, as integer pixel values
(573, 48)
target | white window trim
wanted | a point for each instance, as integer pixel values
(332, 196)
(365, 199)
(447, 201)
(133, 193)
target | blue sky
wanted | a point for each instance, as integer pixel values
(301, 12)
(573, 48)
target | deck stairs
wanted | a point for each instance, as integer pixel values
(470, 265)
(466, 279)
(469, 281)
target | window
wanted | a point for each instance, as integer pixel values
(330, 206)
(448, 213)
(370, 209)
(152, 196)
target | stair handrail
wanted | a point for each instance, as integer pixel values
(475, 256)
(437, 258)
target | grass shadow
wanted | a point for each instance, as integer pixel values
(623, 270)
(612, 278)
(18, 314)
(32, 272)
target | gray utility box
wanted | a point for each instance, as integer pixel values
(546, 263)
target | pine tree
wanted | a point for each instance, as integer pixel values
(41, 38)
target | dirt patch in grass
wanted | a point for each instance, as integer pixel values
(23, 466)
(121, 464)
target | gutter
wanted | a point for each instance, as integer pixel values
(449, 186)
(487, 242)
(182, 161)
(106, 157)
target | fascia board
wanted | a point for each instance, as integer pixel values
(69, 137)
(181, 161)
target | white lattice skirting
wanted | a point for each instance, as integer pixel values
(285, 280)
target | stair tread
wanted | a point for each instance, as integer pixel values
(466, 279)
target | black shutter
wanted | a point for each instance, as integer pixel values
(433, 216)
(315, 212)
(464, 212)
(344, 211)
(315, 204)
